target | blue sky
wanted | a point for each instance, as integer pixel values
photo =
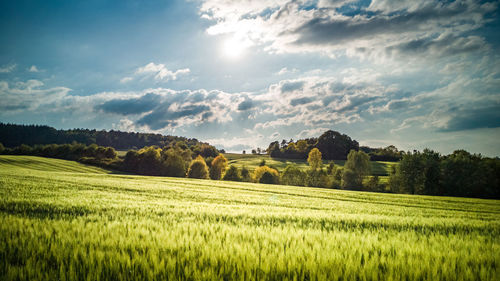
(240, 74)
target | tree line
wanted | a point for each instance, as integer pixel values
(427, 172)
(333, 146)
(458, 174)
(12, 135)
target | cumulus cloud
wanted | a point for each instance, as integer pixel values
(28, 95)
(160, 71)
(328, 26)
(162, 108)
(473, 118)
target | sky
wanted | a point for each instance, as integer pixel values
(240, 74)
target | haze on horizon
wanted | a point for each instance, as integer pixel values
(240, 74)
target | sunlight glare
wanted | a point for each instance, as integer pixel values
(233, 48)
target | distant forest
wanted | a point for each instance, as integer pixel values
(12, 135)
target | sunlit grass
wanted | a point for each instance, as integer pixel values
(60, 220)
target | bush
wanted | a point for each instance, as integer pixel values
(198, 169)
(260, 171)
(232, 174)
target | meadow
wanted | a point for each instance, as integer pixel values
(61, 220)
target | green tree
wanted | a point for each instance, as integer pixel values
(110, 153)
(302, 146)
(356, 168)
(373, 184)
(174, 165)
(218, 167)
(314, 159)
(232, 174)
(293, 176)
(2, 148)
(245, 174)
(198, 169)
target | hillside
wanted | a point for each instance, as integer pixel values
(73, 222)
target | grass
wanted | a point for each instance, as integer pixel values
(60, 220)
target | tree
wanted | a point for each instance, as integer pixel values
(356, 168)
(301, 146)
(268, 178)
(198, 168)
(207, 150)
(232, 174)
(2, 148)
(150, 162)
(373, 184)
(245, 174)
(335, 146)
(314, 159)
(110, 153)
(292, 176)
(218, 167)
(260, 171)
(244, 152)
(274, 149)
(174, 165)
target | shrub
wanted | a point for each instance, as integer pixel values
(198, 169)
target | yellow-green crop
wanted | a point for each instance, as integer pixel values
(60, 220)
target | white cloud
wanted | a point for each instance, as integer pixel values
(126, 80)
(7, 68)
(304, 26)
(33, 68)
(29, 96)
(160, 72)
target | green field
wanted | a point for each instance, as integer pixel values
(60, 220)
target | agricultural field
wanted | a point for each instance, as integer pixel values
(61, 220)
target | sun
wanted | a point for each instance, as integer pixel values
(233, 48)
